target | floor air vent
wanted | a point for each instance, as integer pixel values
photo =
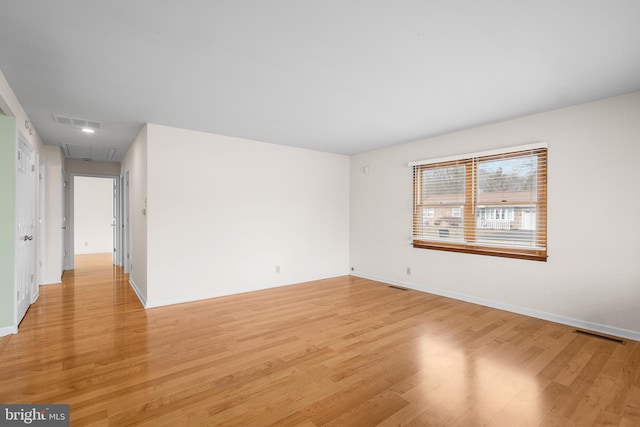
(595, 335)
(398, 288)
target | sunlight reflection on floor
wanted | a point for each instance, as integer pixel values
(479, 390)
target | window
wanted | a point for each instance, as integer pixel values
(490, 203)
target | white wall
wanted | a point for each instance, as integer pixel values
(592, 277)
(224, 212)
(53, 218)
(93, 215)
(135, 162)
(10, 105)
(91, 168)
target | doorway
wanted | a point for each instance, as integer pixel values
(94, 215)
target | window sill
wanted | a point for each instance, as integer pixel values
(530, 255)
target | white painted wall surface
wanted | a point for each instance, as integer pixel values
(91, 168)
(10, 105)
(224, 212)
(54, 214)
(592, 276)
(93, 215)
(135, 161)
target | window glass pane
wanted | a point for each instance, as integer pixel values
(509, 180)
(515, 226)
(442, 225)
(442, 185)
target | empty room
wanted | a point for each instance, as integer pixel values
(295, 213)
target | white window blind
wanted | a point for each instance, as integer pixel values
(492, 203)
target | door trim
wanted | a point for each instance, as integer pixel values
(71, 219)
(126, 230)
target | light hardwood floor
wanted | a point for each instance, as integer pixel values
(341, 352)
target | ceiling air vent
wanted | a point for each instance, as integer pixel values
(62, 120)
(77, 122)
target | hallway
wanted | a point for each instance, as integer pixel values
(73, 336)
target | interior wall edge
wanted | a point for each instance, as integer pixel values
(139, 294)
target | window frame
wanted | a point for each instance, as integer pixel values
(470, 206)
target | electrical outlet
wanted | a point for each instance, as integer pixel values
(277, 269)
(408, 270)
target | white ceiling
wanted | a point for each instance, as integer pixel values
(341, 76)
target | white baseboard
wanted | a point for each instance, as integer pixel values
(142, 299)
(8, 330)
(226, 292)
(209, 295)
(557, 318)
(52, 280)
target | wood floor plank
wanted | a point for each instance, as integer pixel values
(345, 351)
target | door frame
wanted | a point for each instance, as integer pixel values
(70, 215)
(125, 226)
(41, 222)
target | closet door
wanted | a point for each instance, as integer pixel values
(25, 223)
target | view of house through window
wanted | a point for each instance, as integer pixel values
(492, 204)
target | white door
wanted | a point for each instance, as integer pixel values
(25, 254)
(528, 221)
